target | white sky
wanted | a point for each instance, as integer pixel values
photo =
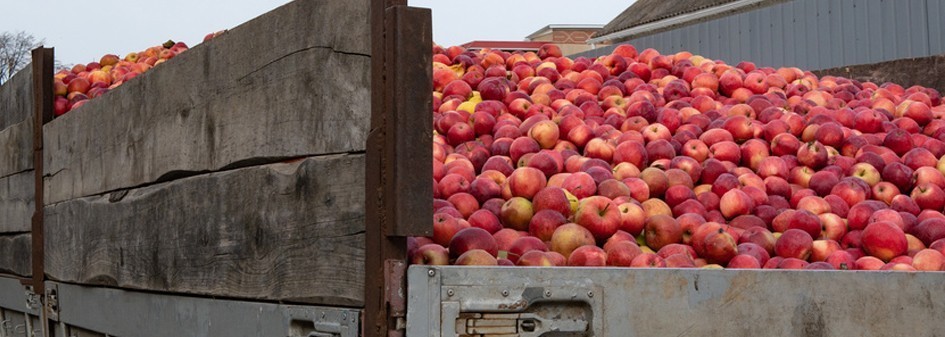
(83, 31)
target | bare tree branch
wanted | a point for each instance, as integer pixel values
(15, 52)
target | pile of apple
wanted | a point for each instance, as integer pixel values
(74, 87)
(649, 160)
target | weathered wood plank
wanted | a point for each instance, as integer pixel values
(293, 82)
(16, 148)
(16, 98)
(287, 231)
(16, 202)
(15, 254)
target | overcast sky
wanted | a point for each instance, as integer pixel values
(83, 31)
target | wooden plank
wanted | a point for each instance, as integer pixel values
(16, 148)
(291, 83)
(289, 232)
(16, 98)
(16, 202)
(15, 254)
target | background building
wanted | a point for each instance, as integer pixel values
(571, 38)
(811, 34)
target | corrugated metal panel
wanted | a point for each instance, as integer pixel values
(812, 34)
(936, 25)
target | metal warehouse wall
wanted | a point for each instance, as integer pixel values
(811, 34)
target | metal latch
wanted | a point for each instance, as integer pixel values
(33, 300)
(325, 329)
(329, 322)
(52, 302)
(519, 324)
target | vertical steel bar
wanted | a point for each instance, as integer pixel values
(42, 113)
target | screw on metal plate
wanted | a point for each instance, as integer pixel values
(431, 272)
(590, 294)
(547, 293)
(505, 293)
(450, 292)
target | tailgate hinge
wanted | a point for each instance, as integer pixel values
(395, 295)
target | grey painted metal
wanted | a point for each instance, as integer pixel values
(811, 34)
(442, 301)
(117, 312)
(17, 317)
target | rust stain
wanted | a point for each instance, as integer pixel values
(520, 304)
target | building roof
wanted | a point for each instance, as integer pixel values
(546, 29)
(646, 13)
(505, 45)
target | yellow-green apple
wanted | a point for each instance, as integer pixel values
(516, 213)
(476, 257)
(569, 237)
(535, 258)
(546, 133)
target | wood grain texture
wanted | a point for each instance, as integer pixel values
(16, 202)
(287, 231)
(16, 148)
(16, 98)
(15, 254)
(291, 83)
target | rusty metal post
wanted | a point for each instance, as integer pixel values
(398, 194)
(43, 62)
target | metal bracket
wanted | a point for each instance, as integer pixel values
(523, 325)
(327, 323)
(525, 312)
(395, 295)
(34, 301)
(52, 302)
